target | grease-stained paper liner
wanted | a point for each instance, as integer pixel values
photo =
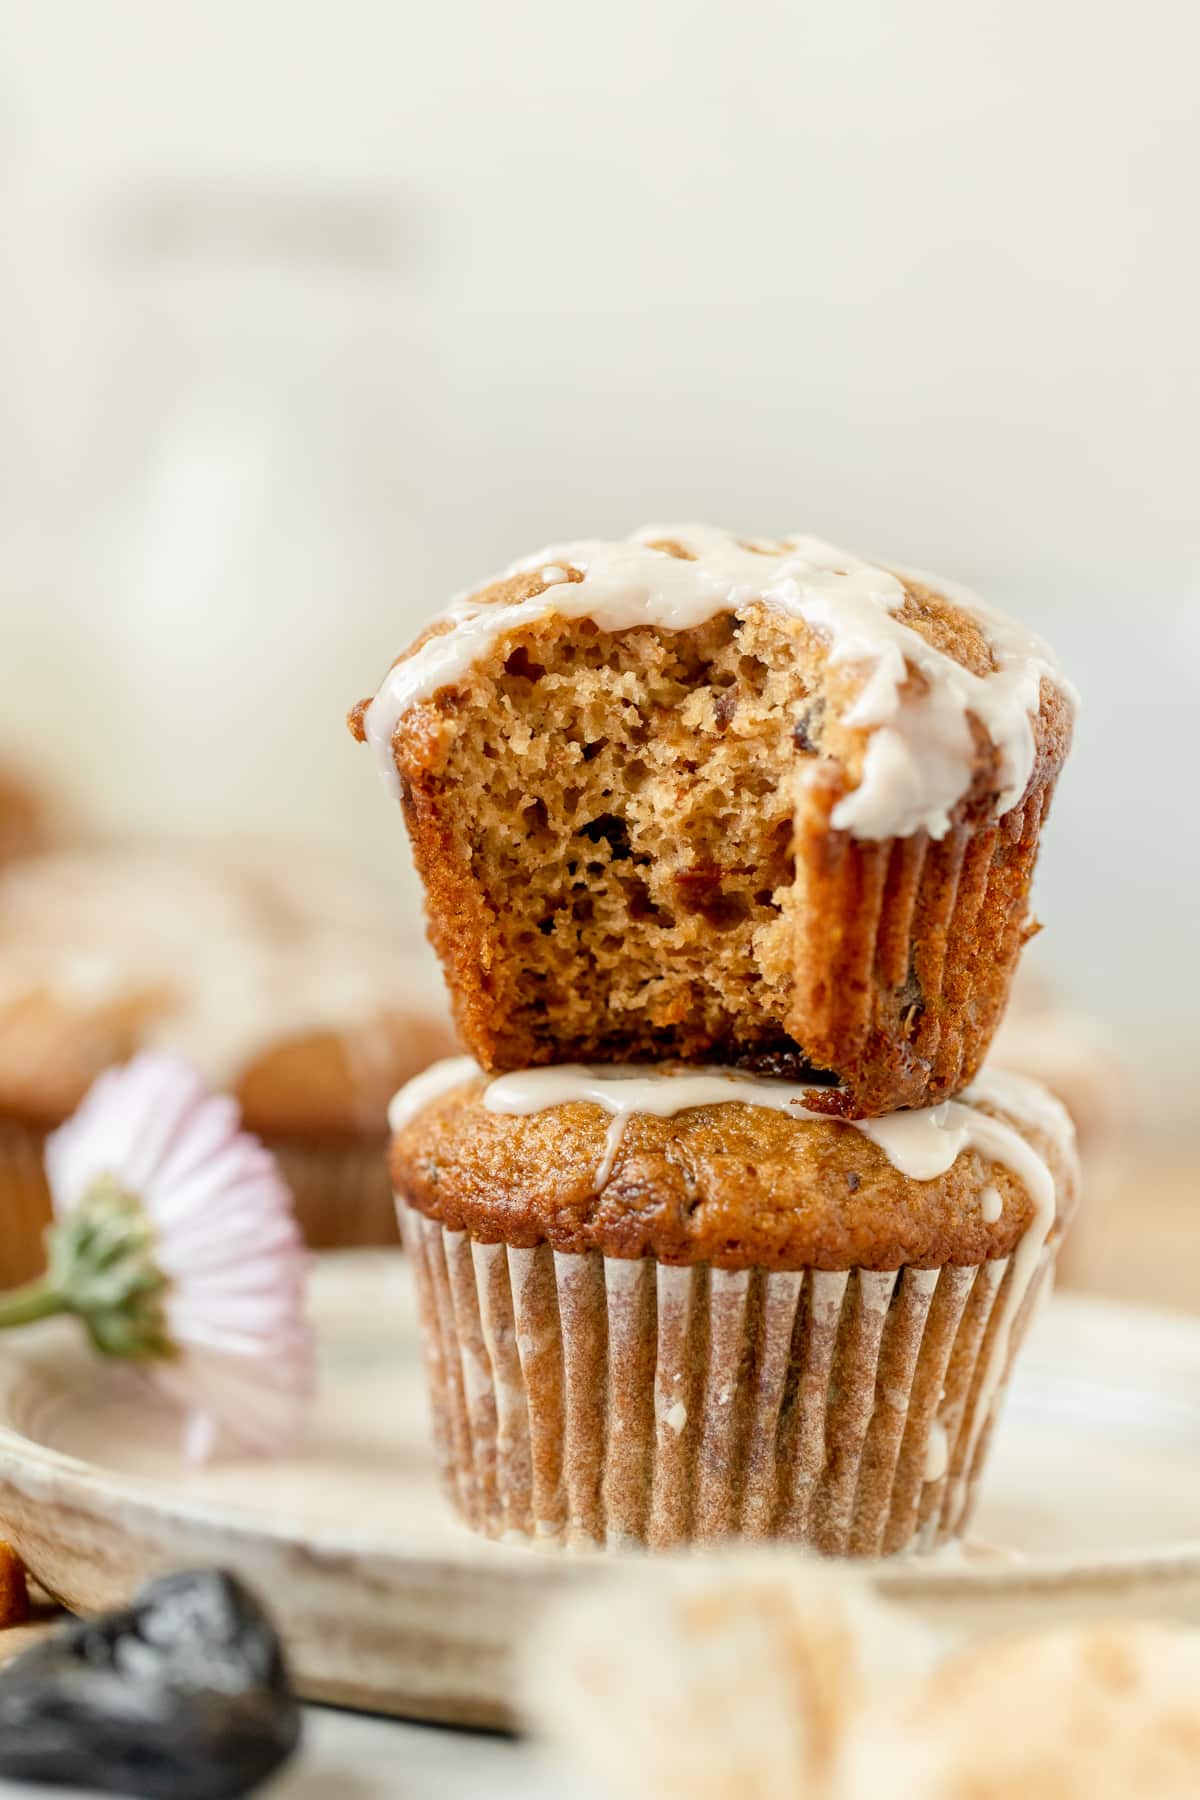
(589, 1400)
(905, 997)
(342, 1197)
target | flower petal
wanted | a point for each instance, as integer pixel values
(225, 1239)
(193, 1250)
(163, 1096)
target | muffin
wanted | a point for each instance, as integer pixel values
(1076, 1056)
(688, 796)
(1081, 1059)
(1092, 1710)
(706, 1677)
(280, 987)
(663, 1306)
(776, 1677)
(25, 818)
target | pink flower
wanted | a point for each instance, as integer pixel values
(176, 1244)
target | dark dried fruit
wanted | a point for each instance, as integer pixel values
(698, 881)
(783, 1058)
(699, 891)
(184, 1695)
(806, 729)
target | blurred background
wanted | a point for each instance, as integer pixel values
(311, 315)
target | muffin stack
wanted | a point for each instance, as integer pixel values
(727, 848)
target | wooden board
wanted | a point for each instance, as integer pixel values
(387, 1603)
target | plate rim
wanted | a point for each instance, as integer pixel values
(26, 1464)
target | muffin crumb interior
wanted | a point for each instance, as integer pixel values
(626, 802)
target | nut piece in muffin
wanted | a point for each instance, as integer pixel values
(278, 986)
(663, 1306)
(758, 803)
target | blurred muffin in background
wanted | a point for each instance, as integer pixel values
(25, 823)
(1080, 1060)
(1073, 1054)
(277, 978)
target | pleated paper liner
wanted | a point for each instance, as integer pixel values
(591, 1401)
(342, 1195)
(907, 949)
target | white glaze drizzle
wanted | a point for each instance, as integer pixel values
(440, 1078)
(991, 1204)
(921, 1144)
(918, 760)
(937, 1452)
(626, 1089)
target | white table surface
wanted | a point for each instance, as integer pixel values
(353, 1756)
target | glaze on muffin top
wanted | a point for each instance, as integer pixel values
(933, 666)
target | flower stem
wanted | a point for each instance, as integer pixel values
(36, 1300)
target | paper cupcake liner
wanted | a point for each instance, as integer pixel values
(904, 995)
(342, 1195)
(592, 1401)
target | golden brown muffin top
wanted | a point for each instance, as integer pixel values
(735, 1184)
(277, 983)
(941, 689)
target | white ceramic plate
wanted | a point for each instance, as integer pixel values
(387, 1603)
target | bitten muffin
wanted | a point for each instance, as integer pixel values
(695, 797)
(663, 1306)
(280, 986)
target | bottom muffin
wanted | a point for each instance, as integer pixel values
(667, 1306)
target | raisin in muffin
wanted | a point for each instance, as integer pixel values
(276, 987)
(757, 803)
(663, 1306)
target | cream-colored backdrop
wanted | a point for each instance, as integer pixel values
(311, 313)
